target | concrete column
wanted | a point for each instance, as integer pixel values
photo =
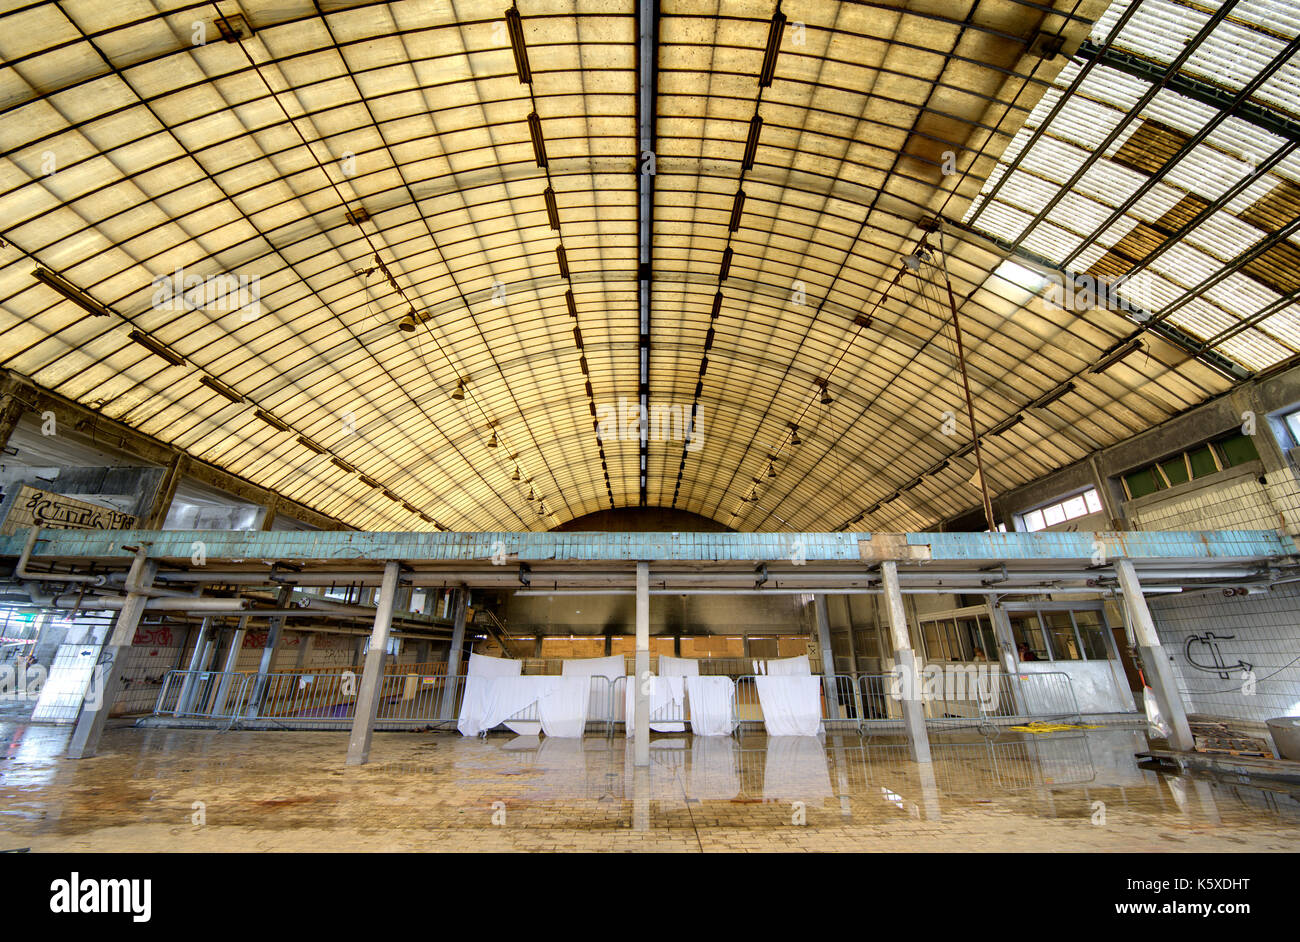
(1159, 672)
(185, 702)
(1008, 658)
(641, 700)
(853, 642)
(363, 724)
(460, 615)
(228, 668)
(828, 657)
(106, 680)
(1006, 638)
(274, 627)
(905, 664)
(305, 645)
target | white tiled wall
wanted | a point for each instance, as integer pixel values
(1237, 502)
(1265, 633)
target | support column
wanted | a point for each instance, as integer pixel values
(1159, 672)
(828, 657)
(905, 664)
(460, 615)
(641, 699)
(274, 627)
(363, 723)
(106, 679)
(1006, 638)
(305, 645)
(185, 702)
(1008, 657)
(228, 668)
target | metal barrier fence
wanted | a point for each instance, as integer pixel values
(964, 696)
(306, 700)
(327, 700)
(210, 695)
(842, 706)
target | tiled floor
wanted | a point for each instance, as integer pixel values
(184, 790)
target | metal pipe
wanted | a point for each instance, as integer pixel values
(22, 573)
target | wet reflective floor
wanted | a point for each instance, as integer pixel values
(198, 790)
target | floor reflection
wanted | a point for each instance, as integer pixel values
(1080, 789)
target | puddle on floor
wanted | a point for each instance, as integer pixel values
(160, 789)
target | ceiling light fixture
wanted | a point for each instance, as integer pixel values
(221, 388)
(794, 434)
(725, 269)
(310, 445)
(492, 442)
(157, 348)
(826, 399)
(515, 27)
(271, 420)
(552, 211)
(71, 292)
(1050, 397)
(717, 306)
(562, 259)
(539, 142)
(737, 208)
(768, 71)
(1116, 355)
(751, 142)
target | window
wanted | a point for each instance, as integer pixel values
(1080, 505)
(1224, 452)
(1060, 635)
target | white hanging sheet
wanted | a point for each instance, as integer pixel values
(711, 699)
(501, 699)
(670, 666)
(563, 708)
(479, 675)
(796, 769)
(791, 705)
(611, 667)
(600, 703)
(785, 666)
(667, 700)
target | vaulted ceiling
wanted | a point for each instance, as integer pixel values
(469, 235)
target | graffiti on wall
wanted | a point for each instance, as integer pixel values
(1208, 658)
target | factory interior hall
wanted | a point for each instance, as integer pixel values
(701, 426)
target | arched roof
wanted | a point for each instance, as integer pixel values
(361, 164)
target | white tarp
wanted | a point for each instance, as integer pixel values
(711, 705)
(791, 705)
